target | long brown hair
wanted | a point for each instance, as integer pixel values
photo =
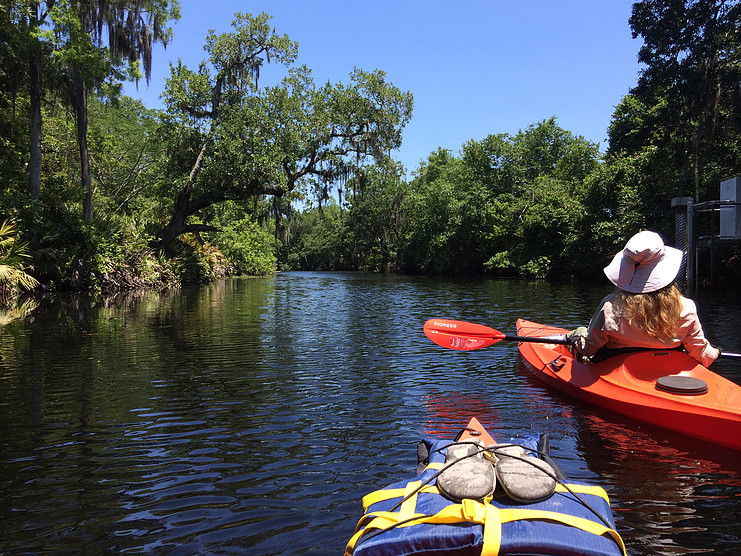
(657, 313)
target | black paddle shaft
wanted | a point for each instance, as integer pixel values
(564, 342)
(542, 340)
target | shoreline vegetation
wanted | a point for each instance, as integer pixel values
(101, 194)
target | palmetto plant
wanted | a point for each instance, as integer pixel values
(13, 258)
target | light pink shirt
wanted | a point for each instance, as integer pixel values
(609, 329)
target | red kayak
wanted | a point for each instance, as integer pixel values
(666, 388)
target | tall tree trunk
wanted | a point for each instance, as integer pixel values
(34, 167)
(80, 101)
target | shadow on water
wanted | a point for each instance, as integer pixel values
(253, 415)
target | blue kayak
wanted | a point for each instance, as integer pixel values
(520, 503)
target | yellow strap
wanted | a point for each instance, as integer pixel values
(469, 511)
(380, 495)
(492, 523)
(410, 504)
(368, 523)
(584, 489)
(389, 493)
(515, 514)
(487, 515)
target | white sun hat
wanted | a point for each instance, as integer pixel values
(645, 265)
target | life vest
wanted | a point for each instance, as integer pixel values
(412, 517)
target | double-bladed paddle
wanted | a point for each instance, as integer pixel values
(458, 334)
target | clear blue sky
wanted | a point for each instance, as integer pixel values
(474, 67)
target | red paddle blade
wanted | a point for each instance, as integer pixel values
(455, 334)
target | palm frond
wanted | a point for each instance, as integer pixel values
(13, 256)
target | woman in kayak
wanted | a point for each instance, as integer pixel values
(647, 310)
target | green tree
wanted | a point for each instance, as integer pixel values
(248, 247)
(21, 54)
(80, 29)
(617, 203)
(686, 103)
(510, 204)
(21, 57)
(378, 217)
(446, 211)
(35, 51)
(253, 142)
(203, 111)
(127, 157)
(322, 241)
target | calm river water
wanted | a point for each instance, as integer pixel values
(251, 415)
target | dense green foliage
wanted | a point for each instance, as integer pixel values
(13, 252)
(234, 177)
(507, 205)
